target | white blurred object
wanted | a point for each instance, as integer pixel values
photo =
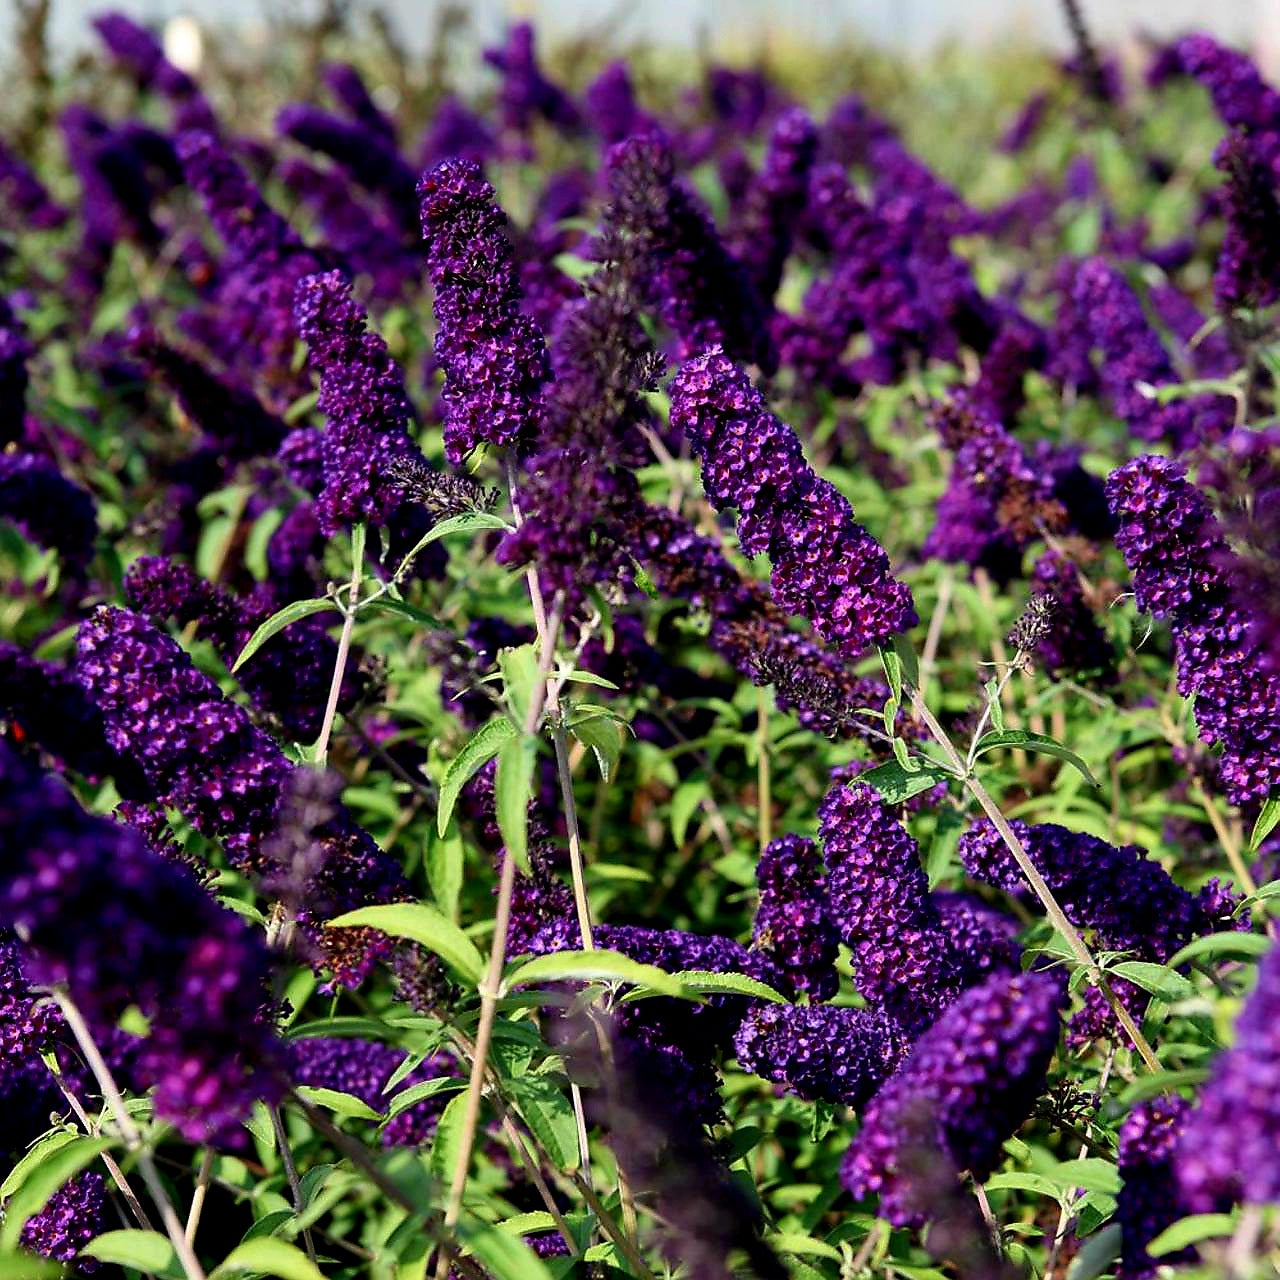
(184, 43)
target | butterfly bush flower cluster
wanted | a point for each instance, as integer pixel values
(117, 925)
(493, 357)
(202, 755)
(825, 565)
(1174, 548)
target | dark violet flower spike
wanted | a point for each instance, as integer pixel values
(526, 94)
(825, 566)
(1248, 271)
(968, 1083)
(1133, 357)
(1230, 1146)
(24, 197)
(820, 1052)
(1240, 95)
(774, 201)
(48, 509)
(249, 323)
(119, 925)
(1150, 1199)
(74, 1215)
(878, 898)
(1182, 570)
(455, 133)
(141, 53)
(986, 937)
(348, 87)
(373, 160)
(792, 925)
(1073, 643)
(679, 269)
(202, 755)
(363, 398)
(611, 107)
(230, 417)
(494, 359)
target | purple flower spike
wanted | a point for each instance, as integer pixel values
(75, 1213)
(48, 509)
(494, 359)
(202, 755)
(1230, 1148)
(1176, 552)
(792, 925)
(119, 925)
(684, 274)
(878, 898)
(24, 197)
(362, 1068)
(774, 201)
(968, 1082)
(820, 1052)
(1133, 356)
(825, 565)
(363, 397)
(1150, 1199)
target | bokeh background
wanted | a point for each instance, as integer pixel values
(729, 27)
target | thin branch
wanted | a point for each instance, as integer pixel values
(1037, 882)
(291, 1173)
(130, 1133)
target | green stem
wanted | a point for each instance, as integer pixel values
(349, 610)
(130, 1133)
(493, 976)
(764, 788)
(1037, 882)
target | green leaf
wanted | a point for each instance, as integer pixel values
(483, 745)
(506, 1256)
(908, 662)
(519, 667)
(512, 791)
(578, 676)
(897, 785)
(467, 522)
(1268, 819)
(271, 1257)
(259, 1124)
(56, 1166)
(735, 984)
(892, 664)
(275, 624)
(1192, 1230)
(992, 690)
(797, 1242)
(42, 1150)
(145, 1251)
(600, 966)
(341, 1104)
(1157, 978)
(1038, 742)
(1091, 1174)
(426, 1089)
(424, 925)
(1097, 1254)
(448, 1139)
(1246, 945)
(605, 737)
(549, 1115)
(445, 859)
(1033, 1182)
(684, 804)
(389, 604)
